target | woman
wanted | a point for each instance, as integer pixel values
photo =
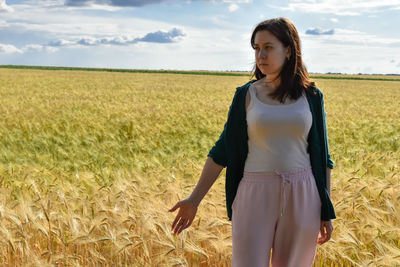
(275, 147)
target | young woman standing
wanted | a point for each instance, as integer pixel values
(275, 147)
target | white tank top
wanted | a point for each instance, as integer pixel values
(277, 135)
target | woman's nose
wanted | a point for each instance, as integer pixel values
(262, 53)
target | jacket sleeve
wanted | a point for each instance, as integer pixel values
(218, 151)
(330, 163)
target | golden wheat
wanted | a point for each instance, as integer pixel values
(90, 162)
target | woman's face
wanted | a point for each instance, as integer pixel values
(270, 53)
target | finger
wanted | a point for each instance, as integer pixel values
(329, 234)
(179, 223)
(321, 241)
(179, 228)
(321, 228)
(174, 207)
(324, 235)
(184, 225)
(187, 224)
(175, 221)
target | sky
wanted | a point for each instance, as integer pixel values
(339, 36)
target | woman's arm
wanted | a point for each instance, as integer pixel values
(210, 173)
(188, 207)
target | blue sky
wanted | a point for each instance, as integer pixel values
(358, 36)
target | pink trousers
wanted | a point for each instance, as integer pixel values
(279, 211)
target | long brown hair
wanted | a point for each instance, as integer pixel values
(294, 75)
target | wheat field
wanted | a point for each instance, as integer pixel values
(90, 163)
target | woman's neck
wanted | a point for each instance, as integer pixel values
(271, 82)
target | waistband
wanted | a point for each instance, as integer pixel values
(299, 174)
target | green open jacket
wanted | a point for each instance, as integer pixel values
(231, 149)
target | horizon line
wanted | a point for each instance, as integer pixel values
(329, 75)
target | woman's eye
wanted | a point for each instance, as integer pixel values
(266, 48)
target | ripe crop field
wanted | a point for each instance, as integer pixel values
(90, 163)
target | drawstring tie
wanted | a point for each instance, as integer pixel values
(284, 181)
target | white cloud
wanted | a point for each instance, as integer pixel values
(95, 7)
(121, 3)
(341, 7)
(236, 1)
(335, 20)
(51, 49)
(9, 49)
(333, 57)
(233, 7)
(153, 37)
(225, 1)
(318, 31)
(349, 51)
(159, 37)
(61, 42)
(32, 48)
(113, 5)
(4, 7)
(37, 18)
(352, 37)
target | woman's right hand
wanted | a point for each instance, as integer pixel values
(185, 216)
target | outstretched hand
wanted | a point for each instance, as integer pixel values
(326, 229)
(185, 216)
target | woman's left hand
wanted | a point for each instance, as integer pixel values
(326, 229)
